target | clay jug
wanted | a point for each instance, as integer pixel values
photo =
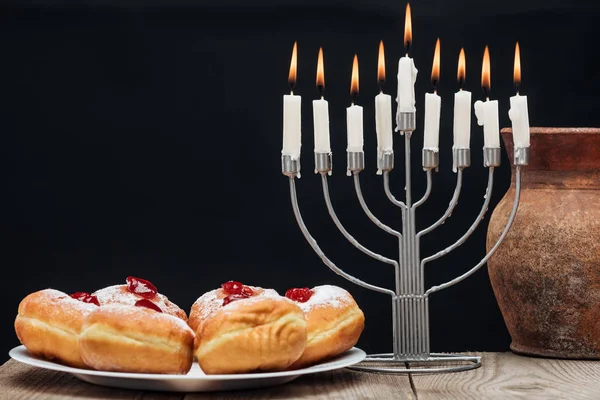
(546, 273)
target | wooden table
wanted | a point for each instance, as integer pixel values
(503, 375)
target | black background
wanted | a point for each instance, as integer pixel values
(144, 139)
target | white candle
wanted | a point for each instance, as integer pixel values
(321, 125)
(407, 76)
(354, 125)
(383, 122)
(519, 116)
(487, 116)
(462, 119)
(292, 136)
(433, 104)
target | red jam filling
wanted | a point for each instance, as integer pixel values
(85, 297)
(301, 295)
(141, 287)
(148, 304)
(247, 291)
(234, 287)
(234, 297)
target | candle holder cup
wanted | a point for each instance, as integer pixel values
(409, 298)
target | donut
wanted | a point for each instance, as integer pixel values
(134, 290)
(142, 339)
(49, 322)
(334, 322)
(243, 329)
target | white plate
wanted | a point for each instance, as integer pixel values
(193, 381)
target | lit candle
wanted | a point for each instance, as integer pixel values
(292, 136)
(321, 112)
(518, 113)
(462, 108)
(433, 104)
(487, 112)
(407, 73)
(383, 109)
(354, 115)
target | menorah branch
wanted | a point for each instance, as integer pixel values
(427, 191)
(317, 249)
(451, 205)
(347, 235)
(407, 169)
(367, 211)
(474, 226)
(388, 192)
(511, 218)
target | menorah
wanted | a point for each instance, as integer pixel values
(410, 299)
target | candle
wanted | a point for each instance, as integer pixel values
(487, 112)
(407, 73)
(518, 113)
(433, 104)
(383, 122)
(354, 120)
(292, 135)
(354, 115)
(321, 112)
(487, 116)
(462, 109)
(383, 109)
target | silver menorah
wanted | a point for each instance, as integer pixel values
(410, 300)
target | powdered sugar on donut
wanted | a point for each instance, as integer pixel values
(211, 302)
(141, 312)
(327, 296)
(119, 294)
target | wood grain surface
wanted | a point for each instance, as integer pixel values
(503, 376)
(509, 376)
(20, 381)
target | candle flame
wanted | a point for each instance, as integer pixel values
(354, 84)
(485, 72)
(293, 66)
(435, 69)
(381, 64)
(462, 68)
(320, 72)
(407, 28)
(517, 72)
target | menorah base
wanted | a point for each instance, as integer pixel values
(436, 363)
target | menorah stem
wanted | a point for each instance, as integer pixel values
(348, 236)
(365, 208)
(426, 341)
(511, 218)
(415, 309)
(475, 224)
(395, 324)
(416, 306)
(404, 255)
(407, 170)
(317, 249)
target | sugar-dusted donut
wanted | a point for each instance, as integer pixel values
(49, 322)
(135, 290)
(333, 319)
(139, 339)
(242, 329)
